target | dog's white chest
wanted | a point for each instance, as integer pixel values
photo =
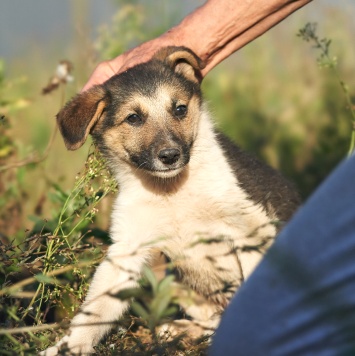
(204, 209)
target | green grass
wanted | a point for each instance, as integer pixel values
(271, 97)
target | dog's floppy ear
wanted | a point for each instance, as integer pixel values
(183, 61)
(79, 115)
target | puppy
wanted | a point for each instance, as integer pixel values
(184, 189)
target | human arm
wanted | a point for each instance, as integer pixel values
(213, 31)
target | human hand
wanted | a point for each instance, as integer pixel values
(141, 54)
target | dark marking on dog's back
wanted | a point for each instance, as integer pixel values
(261, 182)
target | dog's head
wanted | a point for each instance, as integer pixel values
(146, 117)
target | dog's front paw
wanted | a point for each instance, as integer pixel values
(186, 328)
(67, 347)
(51, 351)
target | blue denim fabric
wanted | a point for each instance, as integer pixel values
(300, 300)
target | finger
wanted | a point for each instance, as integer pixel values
(102, 72)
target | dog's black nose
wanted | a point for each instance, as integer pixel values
(169, 155)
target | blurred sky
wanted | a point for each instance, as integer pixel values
(25, 23)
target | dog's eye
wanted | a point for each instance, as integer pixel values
(134, 120)
(180, 111)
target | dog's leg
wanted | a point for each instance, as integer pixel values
(204, 316)
(212, 269)
(103, 306)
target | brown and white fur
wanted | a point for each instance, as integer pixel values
(184, 188)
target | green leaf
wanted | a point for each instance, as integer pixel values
(128, 293)
(150, 276)
(140, 310)
(165, 284)
(171, 310)
(42, 278)
(160, 304)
